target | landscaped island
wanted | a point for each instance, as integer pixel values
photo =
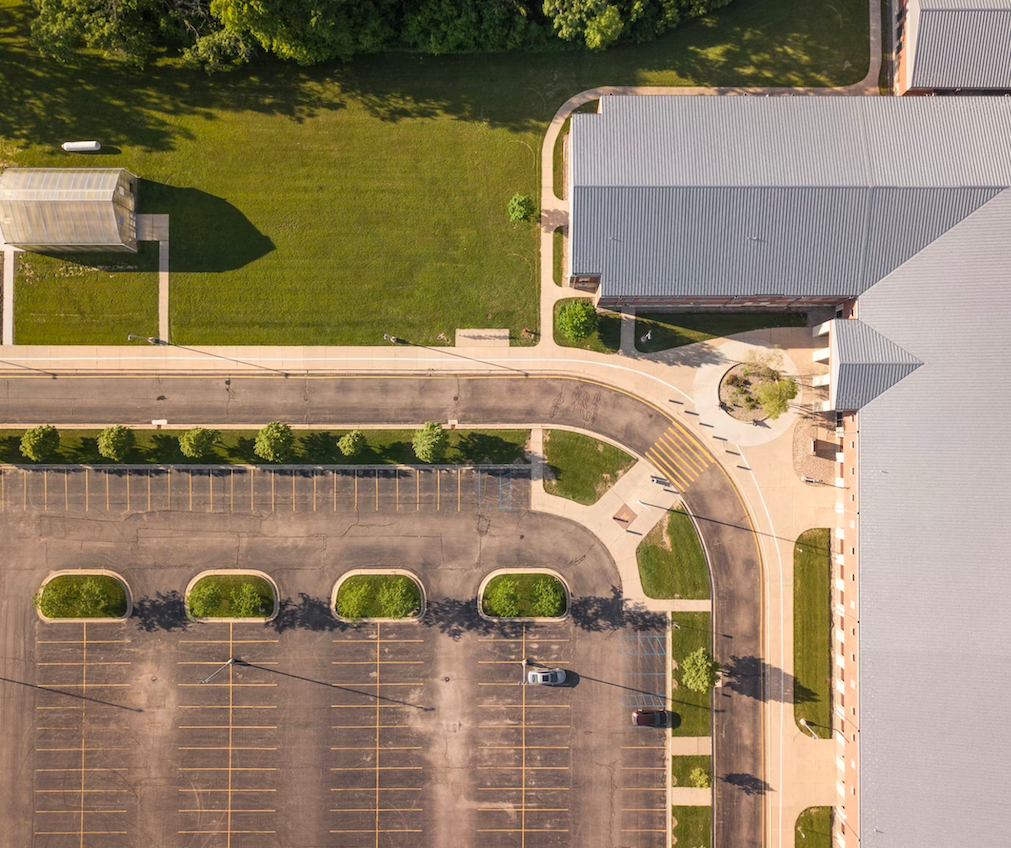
(233, 595)
(378, 596)
(524, 595)
(82, 596)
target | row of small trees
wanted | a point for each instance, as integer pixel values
(274, 443)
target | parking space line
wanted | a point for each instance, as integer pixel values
(168, 487)
(377, 490)
(45, 489)
(210, 490)
(106, 475)
(381, 662)
(148, 489)
(314, 490)
(24, 488)
(272, 490)
(396, 475)
(129, 474)
(356, 489)
(334, 490)
(293, 490)
(252, 496)
(438, 490)
(417, 489)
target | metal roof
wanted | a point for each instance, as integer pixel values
(960, 44)
(725, 196)
(864, 364)
(934, 480)
(66, 207)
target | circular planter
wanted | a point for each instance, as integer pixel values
(234, 572)
(379, 572)
(738, 413)
(498, 572)
(84, 572)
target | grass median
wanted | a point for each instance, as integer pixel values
(238, 595)
(693, 710)
(580, 467)
(693, 826)
(682, 767)
(671, 561)
(378, 596)
(812, 630)
(522, 595)
(82, 596)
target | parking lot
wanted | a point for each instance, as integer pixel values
(142, 733)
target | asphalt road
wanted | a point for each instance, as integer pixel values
(510, 399)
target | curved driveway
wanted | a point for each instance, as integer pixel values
(475, 401)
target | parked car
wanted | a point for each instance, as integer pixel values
(546, 676)
(649, 718)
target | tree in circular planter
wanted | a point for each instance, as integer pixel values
(198, 442)
(577, 319)
(40, 443)
(116, 442)
(275, 442)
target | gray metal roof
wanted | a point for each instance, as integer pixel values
(934, 481)
(725, 196)
(864, 364)
(67, 207)
(960, 44)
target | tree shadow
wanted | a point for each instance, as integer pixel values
(744, 676)
(244, 449)
(487, 448)
(10, 449)
(162, 612)
(596, 614)
(310, 613)
(320, 446)
(749, 784)
(454, 617)
(165, 449)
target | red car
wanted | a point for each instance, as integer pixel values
(649, 718)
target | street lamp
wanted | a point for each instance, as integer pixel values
(149, 339)
(807, 727)
(392, 339)
(231, 661)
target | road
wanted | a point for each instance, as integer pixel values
(509, 399)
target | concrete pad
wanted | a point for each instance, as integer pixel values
(691, 746)
(482, 338)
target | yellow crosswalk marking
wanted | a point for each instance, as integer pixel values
(680, 457)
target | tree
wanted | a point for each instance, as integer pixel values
(577, 319)
(549, 597)
(397, 597)
(352, 599)
(57, 600)
(274, 442)
(198, 442)
(699, 671)
(430, 442)
(775, 397)
(204, 599)
(700, 778)
(119, 30)
(594, 22)
(501, 597)
(522, 208)
(92, 599)
(352, 444)
(116, 442)
(40, 443)
(246, 601)
(604, 29)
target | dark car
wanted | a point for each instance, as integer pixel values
(649, 718)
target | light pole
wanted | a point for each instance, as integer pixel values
(231, 661)
(149, 339)
(807, 727)
(391, 339)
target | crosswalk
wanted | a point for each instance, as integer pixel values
(680, 457)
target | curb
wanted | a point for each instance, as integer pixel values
(233, 571)
(521, 620)
(378, 572)
(83, 572)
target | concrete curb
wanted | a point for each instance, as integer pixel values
(378, 572)
(211, 572)
(81, 572)
(520, 620)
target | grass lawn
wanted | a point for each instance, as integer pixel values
(313, 447)
(694, 826)
(812, 630)
(581, 468)
(671, 561)
(526, 599)
(557, 251)
(681, 769)
(61, 597)
(815, 823)
(329, 205)
(371, 587)
(674, 329)
(228, 583)
(693, 708)
(558, 167)
(605, 339)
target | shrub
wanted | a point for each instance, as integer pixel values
(116, 442)
(352, 444)
(352, 599)
(521, 208)
(198, 442)
(246, 601)
(733, 379)
(204, 599)
(40, 443)
(699, 671)
(775, 397)
(274, 442)
(549, 597)
(577, 319)
(430, 442)
(69, 596)
(397, 597)
(700, 778)
(501, 598)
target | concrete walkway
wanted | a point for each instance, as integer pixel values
(156, 228)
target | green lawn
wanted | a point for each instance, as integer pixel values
(558, 167)
(581, 468)
(526, 599)
(674, 329)
(372, 585)
(605, 339)
(693, 828)
(557, 249)
(693, 708)
(814, 828)
(330, 205)
(228, 583)
(681, 769)
(313, 447)
(61, 597)
(812, 630)
(671, 561)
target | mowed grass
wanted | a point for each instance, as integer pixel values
(814, 828)
(812, 630)
(671, 561)
(374, 584)
(228, 583)
(580, 467)
(330, 205)
(694, 709)
(681, 769)
(605, 339)
(112, 590)
(313, 447)
(693, 826)
(526, 596)
(676, 329)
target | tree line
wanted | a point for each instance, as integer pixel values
(215, 34)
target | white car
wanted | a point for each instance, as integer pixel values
(546, 677)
